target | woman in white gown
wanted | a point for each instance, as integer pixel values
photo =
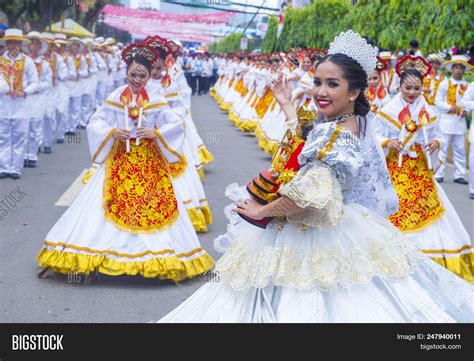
(408, 129)
(333, 257)
(128, 219)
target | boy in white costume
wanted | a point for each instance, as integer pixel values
(19, 71)
(36, 103)
(453, 118)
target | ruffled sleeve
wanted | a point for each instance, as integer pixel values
(316, 190)
(100, 133)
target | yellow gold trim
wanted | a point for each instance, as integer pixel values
(102, 145)
(385, 142)
(156, 105)
(390, 119)
(448, 251)
(171, 95)
(114, 104)
(330, 145)
(163, 142)
(164, 268)
(123, 255)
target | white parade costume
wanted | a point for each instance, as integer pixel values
(452, 126)
(14, 121)
(338, 260)
(425, 214)
(467, 102)
(127, 219)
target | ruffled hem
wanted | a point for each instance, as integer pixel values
(197, 219)
(171, 268)
(205, 155)
(269, 146)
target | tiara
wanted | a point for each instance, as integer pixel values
(139, 49)
(413, 62)
(355, 47)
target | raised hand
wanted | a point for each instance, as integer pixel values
(281, 90)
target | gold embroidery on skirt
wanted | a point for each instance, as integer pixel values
(419, 204)
(138, 192)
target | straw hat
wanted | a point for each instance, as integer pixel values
(457, 59)
(386, 55)
(77, 41)
(37, 35)
(60, 38)
(14, 34)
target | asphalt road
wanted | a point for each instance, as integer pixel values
(25, 298)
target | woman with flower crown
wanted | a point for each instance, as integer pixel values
(377, 94)
(408, 130)
(329, 255)
(128, 219)
(185, 176)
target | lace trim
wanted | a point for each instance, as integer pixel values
(286, 266)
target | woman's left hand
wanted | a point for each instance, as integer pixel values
(431, 147)
(145, 133)
(250, 208)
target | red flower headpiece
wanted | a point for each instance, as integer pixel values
(157, 42)
(413, 62)
(139, 49)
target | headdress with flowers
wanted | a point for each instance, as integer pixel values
(142, 50)
(413, 62)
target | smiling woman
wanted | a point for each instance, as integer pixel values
(128, 218)
(329, 255)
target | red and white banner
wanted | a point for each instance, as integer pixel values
(191, 27)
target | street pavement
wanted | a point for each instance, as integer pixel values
(59, 298)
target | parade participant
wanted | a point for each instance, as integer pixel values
(377, 94)
(19, 71)
(76, 85)
(331, 256)
(36, 104)
(467, 102)
(389, 75)
(432, 80)
(414, 48)
(57, 97)
(178, 81)
(408, 129)
(453, 118)
(127, 219)
(100, 57)
(89, 84)
(63, 114)
(186, 181)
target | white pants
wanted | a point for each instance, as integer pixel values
(471, 168)
(459, 155)
(13, 139)
(61, 124)
(87, 109)
(35, 138)
(100, 94)
(49, 130)
(75, 113)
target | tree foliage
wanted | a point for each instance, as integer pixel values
(391, 24)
